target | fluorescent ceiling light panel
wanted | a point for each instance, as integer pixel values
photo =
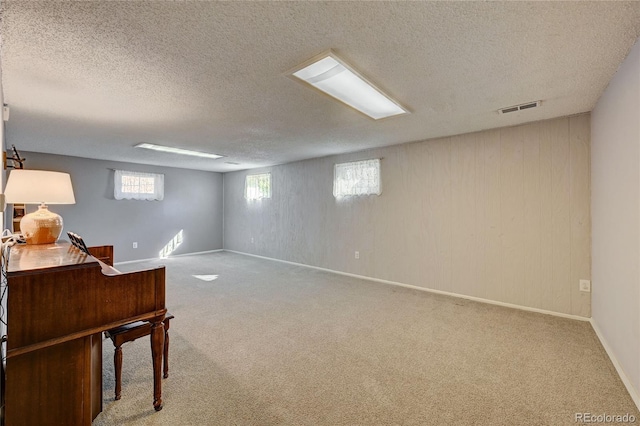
(180, 151)
(334, 77)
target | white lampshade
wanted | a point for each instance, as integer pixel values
(39, 187)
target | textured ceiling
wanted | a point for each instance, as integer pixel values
(92, 79)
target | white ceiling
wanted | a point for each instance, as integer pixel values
(93, 79)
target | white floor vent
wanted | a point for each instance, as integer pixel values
(520, 107)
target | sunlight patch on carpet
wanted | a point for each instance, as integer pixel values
(206, 277)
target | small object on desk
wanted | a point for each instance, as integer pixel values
(13, 238)
(78, 242)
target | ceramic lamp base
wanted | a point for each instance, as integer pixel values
(41, 227)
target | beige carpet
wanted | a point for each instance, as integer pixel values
(268, 343)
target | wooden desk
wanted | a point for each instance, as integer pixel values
(59, 300)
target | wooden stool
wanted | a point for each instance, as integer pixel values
(129, 333)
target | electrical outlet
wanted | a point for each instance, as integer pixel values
(357, 255)
(135, 245)
(252, 241)
(585, 285)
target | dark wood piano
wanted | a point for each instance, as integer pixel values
(59, 301)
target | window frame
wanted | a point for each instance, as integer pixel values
(355, 168)
(260, 195)
(120, 193)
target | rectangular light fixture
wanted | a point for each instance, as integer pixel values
(180, 151)
(331, 75)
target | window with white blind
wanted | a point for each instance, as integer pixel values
(357, 178)
(138, 186)
(257, 187)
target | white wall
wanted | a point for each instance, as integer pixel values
(3, 302)
(500, 215)
(2, 142)
(615, 208)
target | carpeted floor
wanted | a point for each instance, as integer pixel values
(268, 343)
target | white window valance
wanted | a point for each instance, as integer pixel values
(357, 178)
(138, 186)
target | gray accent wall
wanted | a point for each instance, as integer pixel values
(502, 215)
(192, 203)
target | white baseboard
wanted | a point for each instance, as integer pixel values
(429, 290)
(175, 255)
(633, 392)
(195, 253)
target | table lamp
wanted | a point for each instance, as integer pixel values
(39, 187)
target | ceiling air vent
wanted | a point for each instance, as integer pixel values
(520, 107)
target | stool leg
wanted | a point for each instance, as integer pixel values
(117, 362)
(166, 354)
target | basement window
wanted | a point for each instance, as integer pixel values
(357, 178)
(138, 186)
(257, 187)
